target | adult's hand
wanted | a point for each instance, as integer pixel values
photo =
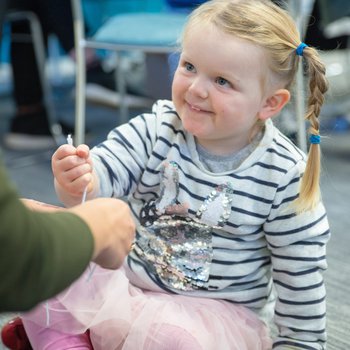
(39, 206)
(113, 229)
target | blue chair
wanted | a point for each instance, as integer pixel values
(147, 28)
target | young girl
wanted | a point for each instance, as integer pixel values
(230, 222)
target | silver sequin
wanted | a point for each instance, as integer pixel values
(176, 248)
(180, 250)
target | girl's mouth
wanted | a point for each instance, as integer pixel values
(196, 108)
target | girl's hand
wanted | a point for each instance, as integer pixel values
(72, 169)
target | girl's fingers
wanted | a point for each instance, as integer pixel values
(83, 151)
(63, 152)
(78, 185)
(77, 172)
(72, 168)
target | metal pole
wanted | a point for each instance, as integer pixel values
(80, 81)
(300, 13)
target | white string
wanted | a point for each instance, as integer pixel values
(83, 199)
(70, 142)
(47, 314)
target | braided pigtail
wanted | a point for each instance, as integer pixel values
(310, 195)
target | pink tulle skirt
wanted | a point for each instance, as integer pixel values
(121, 316)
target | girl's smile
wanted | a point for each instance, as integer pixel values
(198, 109)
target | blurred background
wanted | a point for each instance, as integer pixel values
(27, 150)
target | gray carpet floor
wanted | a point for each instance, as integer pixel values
(32, 174)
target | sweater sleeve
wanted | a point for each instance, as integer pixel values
(298, 254)
(41, 253)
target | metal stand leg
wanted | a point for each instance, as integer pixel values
(80, 77)
(120, 79)
(301, 16)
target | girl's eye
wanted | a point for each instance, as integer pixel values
(221, 81)
(189, 67)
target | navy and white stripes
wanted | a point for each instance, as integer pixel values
(264, 241)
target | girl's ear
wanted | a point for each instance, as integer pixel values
(274, 104)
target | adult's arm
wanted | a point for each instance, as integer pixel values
(40, 253)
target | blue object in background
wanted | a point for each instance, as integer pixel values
(185, 3)
(96, 12)
(340, 124)
(5, 44)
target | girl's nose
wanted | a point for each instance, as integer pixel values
(199, 88)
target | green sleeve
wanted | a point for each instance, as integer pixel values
(40, 253)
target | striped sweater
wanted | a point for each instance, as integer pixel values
(243, 242)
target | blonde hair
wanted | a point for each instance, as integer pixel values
(271, 27)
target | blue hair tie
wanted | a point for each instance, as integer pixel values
(300, 49)
(315, 139)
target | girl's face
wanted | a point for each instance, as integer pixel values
(218, 89)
